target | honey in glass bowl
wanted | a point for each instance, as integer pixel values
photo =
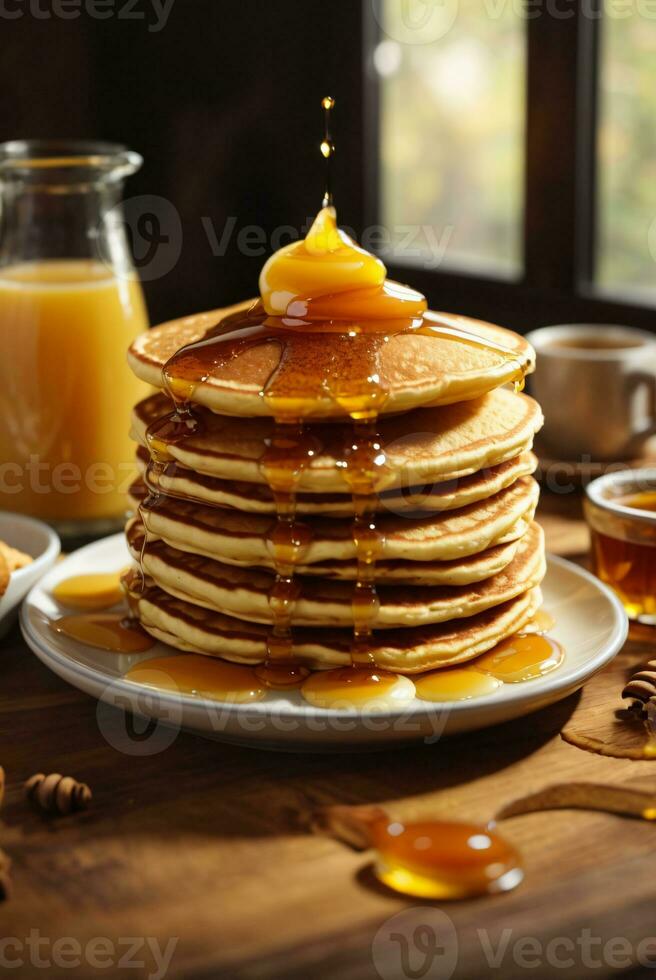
(621, 511)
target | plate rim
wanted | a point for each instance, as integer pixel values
(548, 685)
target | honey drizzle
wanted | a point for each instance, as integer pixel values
(169, 430)
(288, 454)
(327, 149)
(307, 370)
(368, 540)
(289, 393)
(362, 465)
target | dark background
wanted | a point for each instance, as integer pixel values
(223, 104)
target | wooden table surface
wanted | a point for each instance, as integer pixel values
(191, 861)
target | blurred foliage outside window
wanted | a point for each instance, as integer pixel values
(626, 162)
(452, 88)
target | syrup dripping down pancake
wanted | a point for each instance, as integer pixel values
(425, 447)
(406, 651)
(244, 593)
(414, 367)
(241, 539)
(456, 571)
(449, 494)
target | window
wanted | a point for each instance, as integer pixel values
(626, 146)
(517, 141)
(452, 133)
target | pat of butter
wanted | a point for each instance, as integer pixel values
(327, 261)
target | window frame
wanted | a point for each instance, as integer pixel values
(559, 214)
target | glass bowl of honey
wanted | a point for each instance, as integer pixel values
(620, 509)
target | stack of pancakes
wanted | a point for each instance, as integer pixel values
(461, 557)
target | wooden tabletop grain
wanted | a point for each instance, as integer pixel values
(191, 861)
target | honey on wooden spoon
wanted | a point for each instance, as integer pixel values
(431, 859)
(444, 860)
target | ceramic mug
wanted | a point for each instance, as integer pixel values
(596, 384)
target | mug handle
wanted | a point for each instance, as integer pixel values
(647, 380)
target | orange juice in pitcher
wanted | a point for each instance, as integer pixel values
(70, 305)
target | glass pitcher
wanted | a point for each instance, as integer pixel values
(70, 305)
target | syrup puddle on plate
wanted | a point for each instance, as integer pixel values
(355, 687)
(114, 632)
(99, 590)
(204, 677)
(455, 684)
(524, 657)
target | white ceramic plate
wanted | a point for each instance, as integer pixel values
(36, 539)
(590, 623)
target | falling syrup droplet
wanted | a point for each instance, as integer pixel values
(328, 149)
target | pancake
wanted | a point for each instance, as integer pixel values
(414, 369)
(458, 571)
(242, 539)
(256, 498)
(432, 445)
(406, 651)
(5, 574)
(244, 593)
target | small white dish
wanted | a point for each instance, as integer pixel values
(36, 539)
(590, 624)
